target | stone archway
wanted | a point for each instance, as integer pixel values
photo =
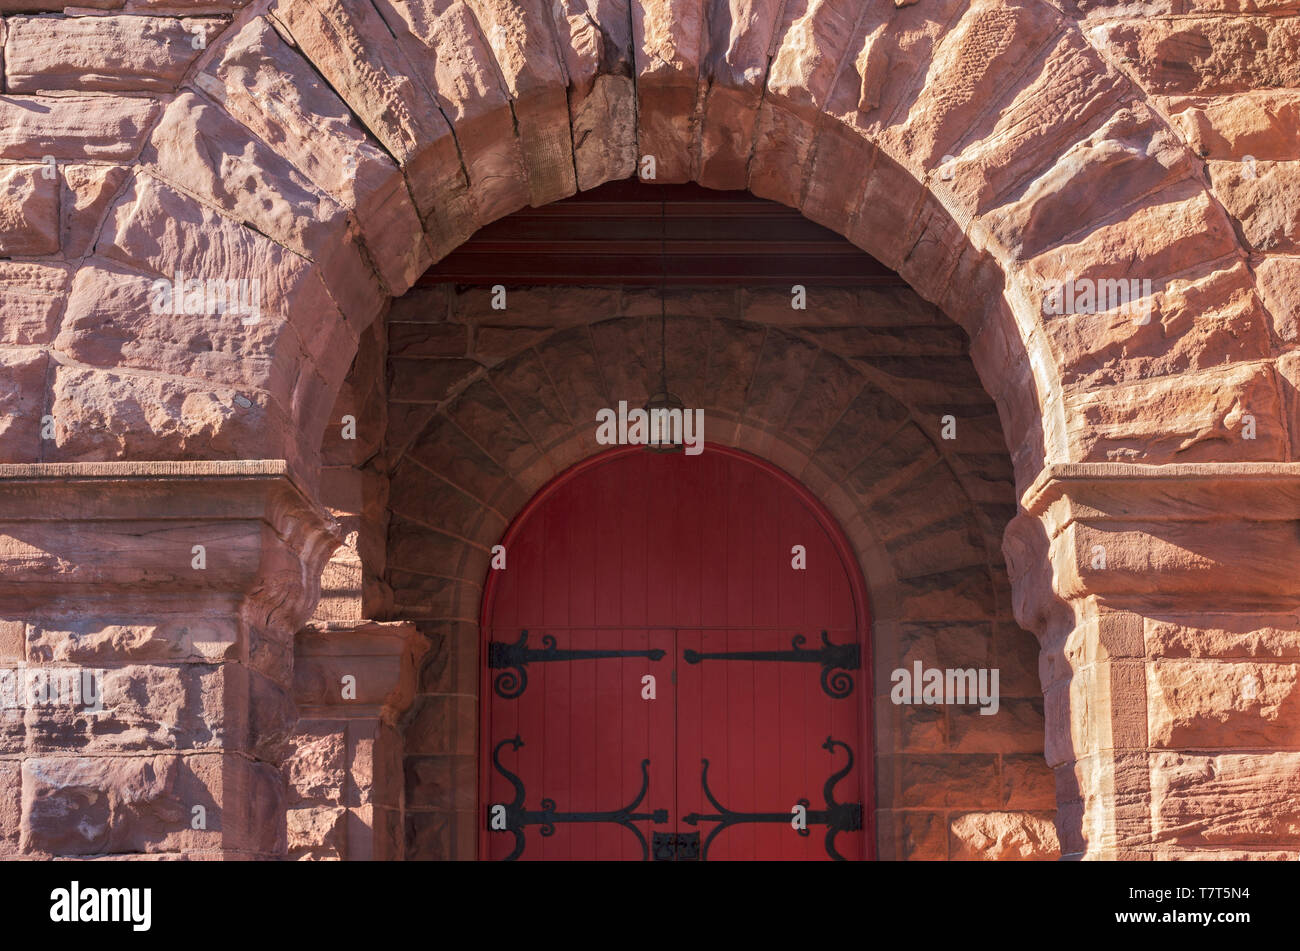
(847, 398)
(331, 151)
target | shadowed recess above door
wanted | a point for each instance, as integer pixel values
(613, 234)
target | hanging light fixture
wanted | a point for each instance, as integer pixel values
(664, 410)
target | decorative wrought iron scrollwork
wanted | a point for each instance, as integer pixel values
(517, 817)
(836, 660)
(837, 816)
(513, 680)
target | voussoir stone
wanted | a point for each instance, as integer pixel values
(274, 91)
(451, 56)
(201, 149)
(354, 49)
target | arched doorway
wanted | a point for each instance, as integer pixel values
(677, 666)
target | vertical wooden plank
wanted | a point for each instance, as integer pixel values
(687, 522)
(713, 541)
(634, 481)
(606, 498)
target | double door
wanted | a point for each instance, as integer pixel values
(672, 670)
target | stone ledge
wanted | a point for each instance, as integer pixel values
(1259, 491)
(155, 490)
(200, 469)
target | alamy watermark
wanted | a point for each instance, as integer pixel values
(24, 686)
(1085, 295)
(211, 296)
(954, 685)
(654, 426)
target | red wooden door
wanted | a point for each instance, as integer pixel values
(651, 617)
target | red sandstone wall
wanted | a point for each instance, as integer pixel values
(1153, 140)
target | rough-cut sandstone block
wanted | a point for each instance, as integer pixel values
(271, 89)
(203, 150)
(164, 707)
(159, 231)
(1071, 90)
(1265, 198)
(316, 768)
(1205, 54)
(813, 44)
(1192, 322)
(22, 403)
(1264, 124)
(1224, 636)
(55, 6)
(1027, 782)
(1003, 836)
(321, 829)
(32, 297)
(105, 805)
(735, 66)
(1288, 371)
(522, 37)
(1279, 285)
(595, 38)
(29, 210)
(1204, 704)
(110, 323)
(101, 414)
(966, 781)
(91, 641)
(11, 806)
(666, 40)
(88, 190)
(1232, 799)
(912, 835)
(113, 53)
(1127, 159)
(103, 128)
(892, 49)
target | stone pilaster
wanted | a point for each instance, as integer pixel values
(353, 683)
(1165, 599)
(172, 591)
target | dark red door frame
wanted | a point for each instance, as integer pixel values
(843, 549)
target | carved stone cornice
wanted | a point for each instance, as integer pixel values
(68, 528)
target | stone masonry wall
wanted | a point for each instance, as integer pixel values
(987, 150)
